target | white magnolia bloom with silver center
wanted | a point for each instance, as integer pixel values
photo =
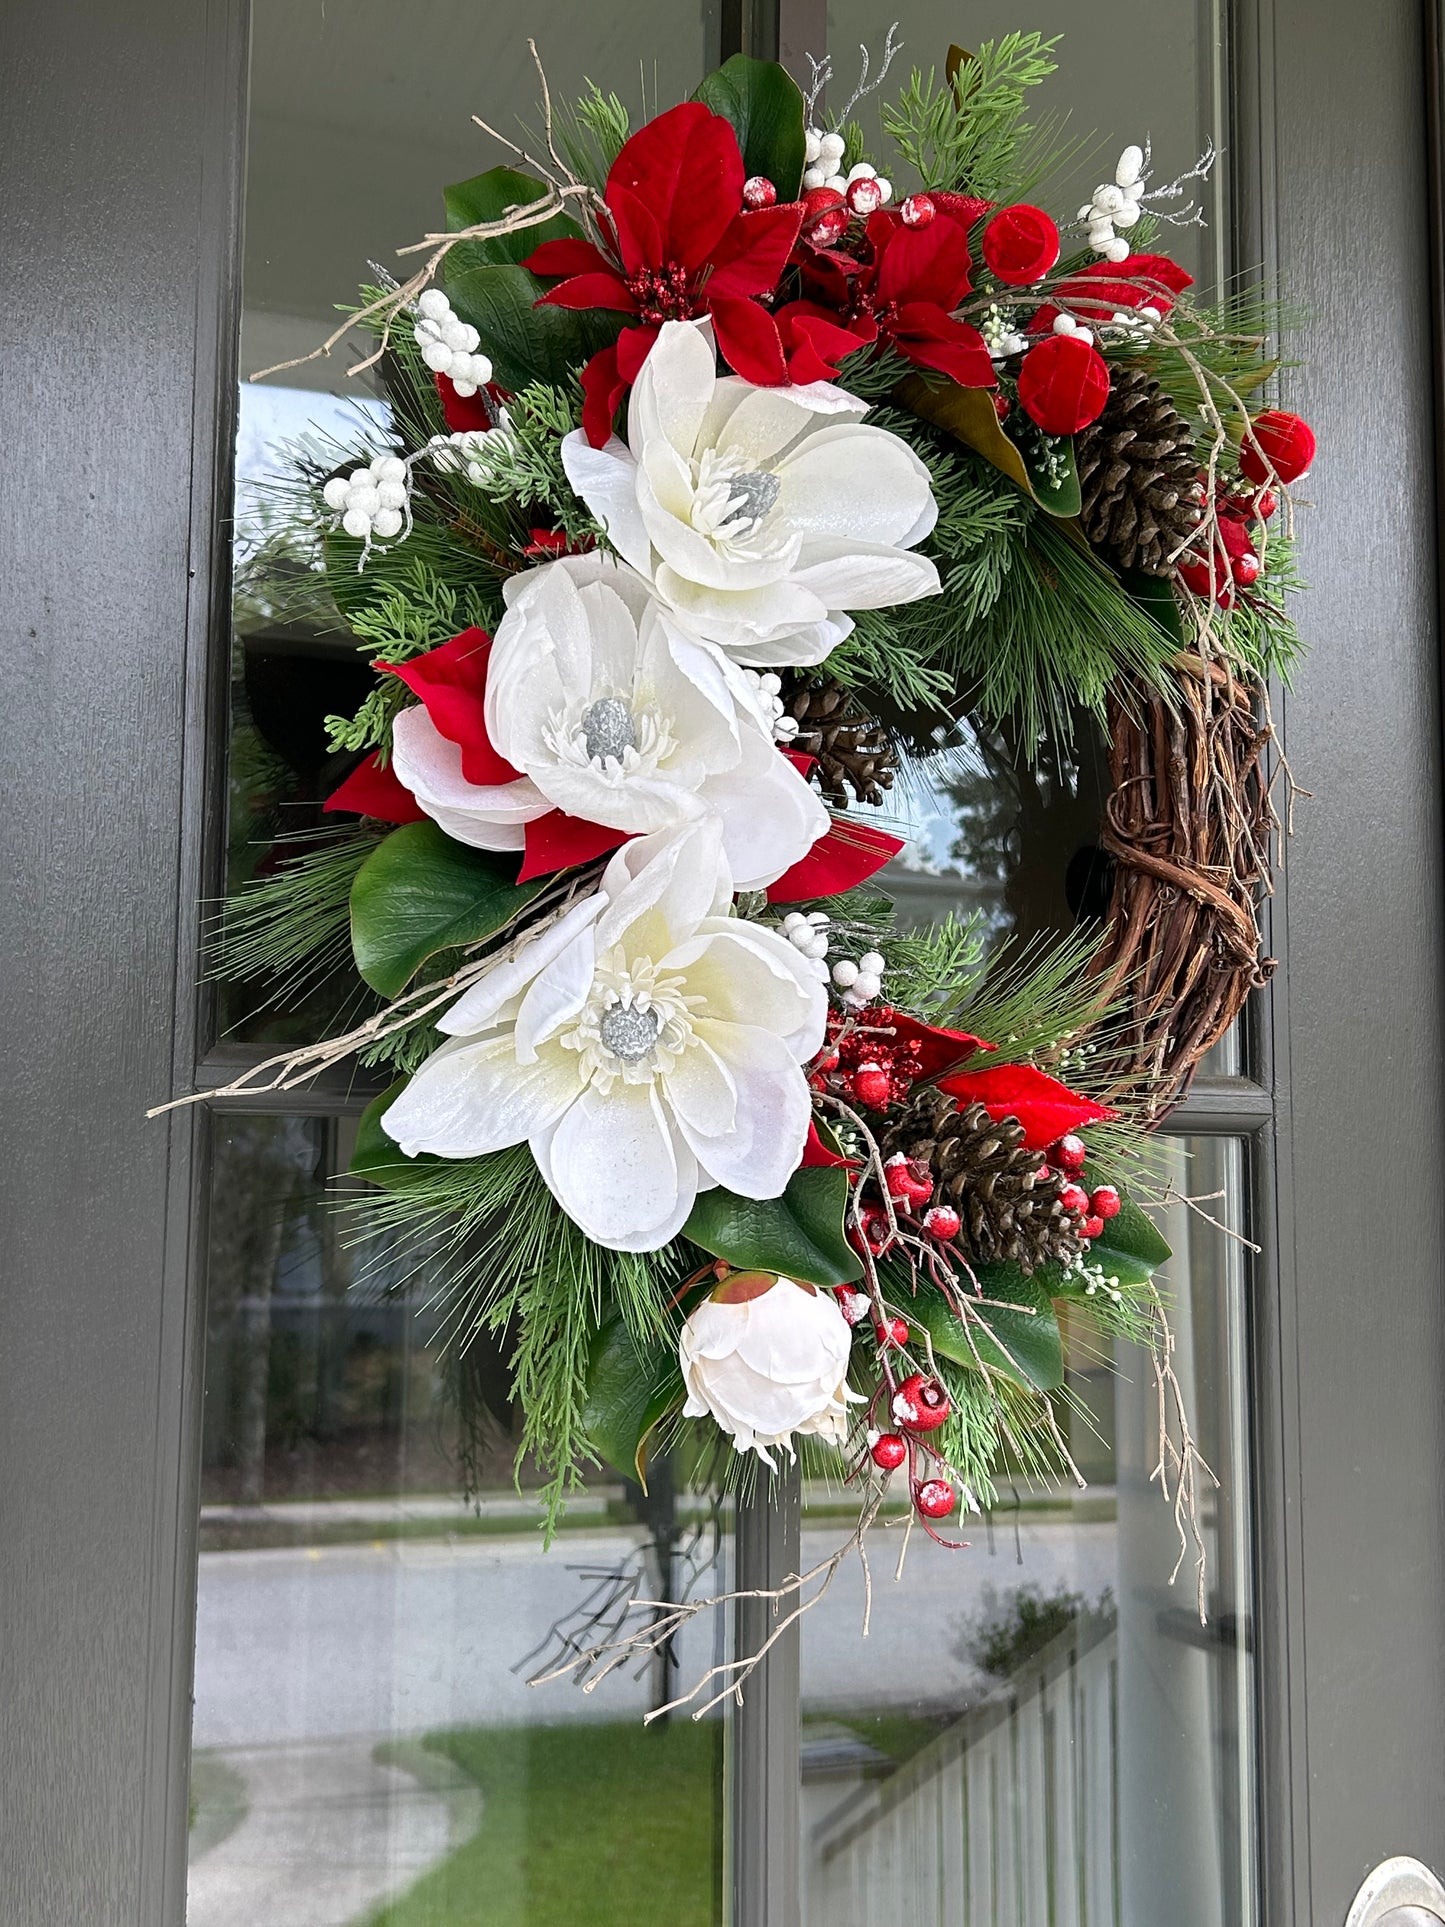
(768, 1358)
(759, 514)
(613, 713)
(647, 1046)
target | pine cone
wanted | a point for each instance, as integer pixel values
(990, 1177)
(1139, 475)
(851, 747)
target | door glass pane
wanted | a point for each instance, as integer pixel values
(1039, 1729)
(360, 115)
(367, 1748)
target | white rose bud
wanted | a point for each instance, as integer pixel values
(768, 1358)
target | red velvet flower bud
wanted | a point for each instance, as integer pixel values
(1279, 447)
(1021, 244)
(1063, 384)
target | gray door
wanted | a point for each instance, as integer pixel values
(1319, 1709)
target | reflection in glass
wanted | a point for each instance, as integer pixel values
(1039, 1730)
(368, 1752)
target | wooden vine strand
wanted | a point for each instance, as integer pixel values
(1190, 825)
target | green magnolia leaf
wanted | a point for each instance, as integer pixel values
(1130, 1249)
(1055, 483)
(1155, 594)
(799, 1235)
(418, 893)
(525, 343)
(629, 1393)
(763, 102)
(487, 197)
(969, 415)
(1025, 1342)
(380, 1159)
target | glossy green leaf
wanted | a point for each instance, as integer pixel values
(487, 197)
(418, 893)
(1012, 1326)
(380, 1159)
(799, 1235)
(525, 343)
(1155, 594)
(1055, 488)
(763, 102)
(629, 1393)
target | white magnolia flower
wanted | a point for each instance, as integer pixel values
(759, 514)
(768, 1357)
(647, 1046)
(610, 711)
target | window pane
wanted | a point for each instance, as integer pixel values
(360, 115)
(1039, 1729)
(367, 1747)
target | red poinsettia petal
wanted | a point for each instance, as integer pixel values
(602, 390)
(816, 341)
(748, 340)
(687, 168)
(634, 345)
(933, 339)
(640, 239)
(817, 1155)
(452, 683)
(925, 264)
(372, 790)
(569, 255)
(464, 413)
(1097, 291)
(937, 1048)
(557, 841)
(591, 291)
(963, 208)
(1046, 1108)
(751, 256)
(849, 854)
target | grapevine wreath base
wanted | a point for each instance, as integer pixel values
(712, 457)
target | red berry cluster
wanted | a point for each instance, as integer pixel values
(918, 1405)
(863, 1067)
(1231, 563)
(1093, 1208)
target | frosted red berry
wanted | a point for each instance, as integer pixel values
(854, 1305)
(918, 210)
(1069, 1153)
(872, 1086)
(758, 191)
(888, 1450)
(893, 1331)
(1075, 1200)
(864, 196)
(1092, 1228)
(825, 215)
(1105, 1202)
(1265, 504)
(899, 1178)
(942, 1222)
(935, 1498)
(921, 1404)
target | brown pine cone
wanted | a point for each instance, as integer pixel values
(1139, 475)
(851, 748)
(991, 1178)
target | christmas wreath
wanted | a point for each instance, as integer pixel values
(721, 478)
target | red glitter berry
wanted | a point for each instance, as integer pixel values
(872, 1086)
(1069, 1153)
(942, 1222)
(888, 1450)
(825, 215)
(1075, 1200)
(758, 191)
(854, 1305)
(899, 1178)
(918, 210)
(1093, 1228)
(1265, 504)
(1246, 570)
(894, 1331)
(935, 1498)
(1106, 1202)
(921, 1404)
(864, 196)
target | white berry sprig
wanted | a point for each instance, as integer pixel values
(809, 934)
(767, 691)
(449, 345)
(859, 983)
(1118, 204)
(373, 504)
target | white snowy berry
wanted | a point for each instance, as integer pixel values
(838, 183)
(1065, 324)
(793, 921)
(814, 176)
(334, 493)
(357, 522)
(830, 149)
(812, 145)
(785, 729)
(1131, 166)
(866, 987)
(1127, 215)
(1117, 250)
(1108, 199)
(872, 963)
(845, 974)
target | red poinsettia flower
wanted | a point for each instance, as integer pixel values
(1099, 291)
(1046, 1108)
(683, 245)
(903, 292)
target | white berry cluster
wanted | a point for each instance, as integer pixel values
(809, 934)
(449, 345)
(768, 694)
(372, 504)
(823, 155)
(1002, 340)
(859, 982)
(1116, 204)
(473, 453)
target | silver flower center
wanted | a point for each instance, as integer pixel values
(754, 493)
(608, 729)
(629, 1033)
